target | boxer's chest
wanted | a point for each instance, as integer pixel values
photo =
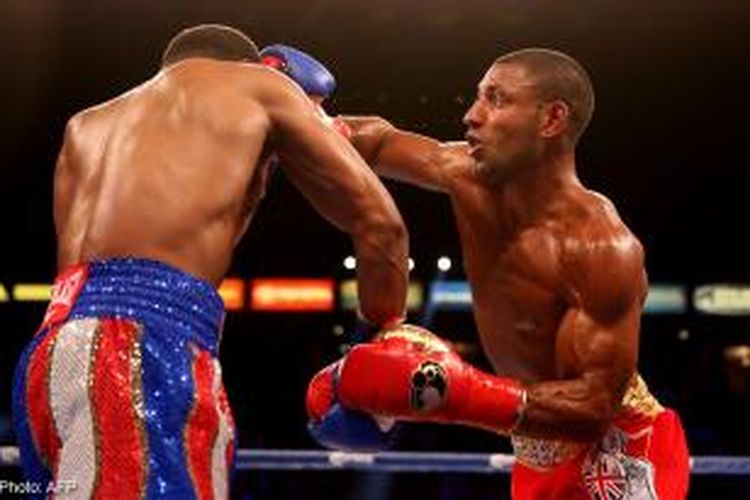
(518, 296)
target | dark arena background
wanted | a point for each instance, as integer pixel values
(668, 144)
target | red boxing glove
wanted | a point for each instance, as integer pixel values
(320, 395)
(334, 426)
(410, 374)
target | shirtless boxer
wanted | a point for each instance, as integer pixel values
(120, 391)
(558, 284)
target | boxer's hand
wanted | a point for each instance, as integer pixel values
(308, 72)
(334, 426)
(409, 373)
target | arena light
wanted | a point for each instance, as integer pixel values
(3, 293)
(722, 299)
(444, 264)
(411, 264)
(292, 295)
(414, 296)
(232, 292)
(350, 263)
(450, 295)
(32, 292)
(348, 295)
(350, 300)
(666, 299)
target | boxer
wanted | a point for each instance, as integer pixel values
(120, 390)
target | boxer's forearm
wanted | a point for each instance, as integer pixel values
(369, 134)
(575, 410)
(381, 247)
(406, 156)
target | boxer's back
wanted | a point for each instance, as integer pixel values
(168, 170)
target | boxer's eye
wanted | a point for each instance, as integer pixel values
(497, 98)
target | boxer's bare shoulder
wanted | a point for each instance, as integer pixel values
(602, 260)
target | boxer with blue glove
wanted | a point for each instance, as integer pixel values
(332, 425)
(120, 391)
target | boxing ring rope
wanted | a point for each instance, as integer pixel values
(407, 461)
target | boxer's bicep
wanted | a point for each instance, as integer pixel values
(596, 350)
(581, 404)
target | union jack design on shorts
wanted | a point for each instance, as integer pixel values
(120, 391)
(604, 477)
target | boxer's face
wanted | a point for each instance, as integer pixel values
(503, 123)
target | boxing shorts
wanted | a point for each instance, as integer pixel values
(643, 456)
(119, 394)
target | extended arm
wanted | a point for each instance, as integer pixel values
(391, 152)
(406, 156)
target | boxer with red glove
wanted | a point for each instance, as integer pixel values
(310, 74)
(420, 378)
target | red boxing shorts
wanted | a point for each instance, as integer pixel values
(643, 456)
(119, 394)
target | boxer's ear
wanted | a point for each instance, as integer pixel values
(554, 118)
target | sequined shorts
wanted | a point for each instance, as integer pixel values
(119, 394)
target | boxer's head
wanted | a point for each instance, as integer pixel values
(527, 101)
(214, 41)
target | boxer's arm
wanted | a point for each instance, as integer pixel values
(342, 188)
(406, 156)
(598, 335)
(392, 153)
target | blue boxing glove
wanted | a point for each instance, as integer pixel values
(308, 72)
(334, 426)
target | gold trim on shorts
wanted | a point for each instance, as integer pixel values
(639, 400)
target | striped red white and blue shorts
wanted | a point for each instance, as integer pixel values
(119, 394)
